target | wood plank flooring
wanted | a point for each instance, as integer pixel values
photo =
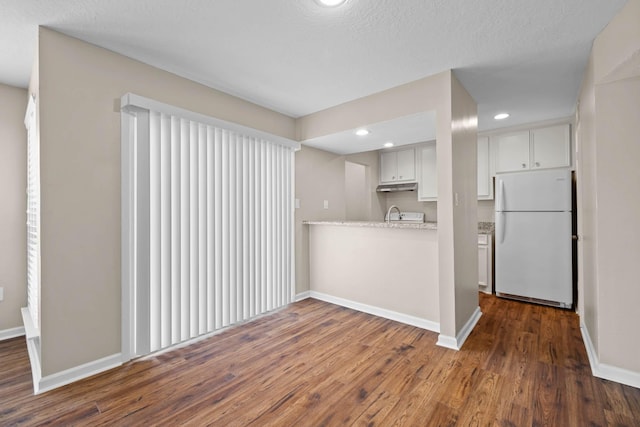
(317, 364)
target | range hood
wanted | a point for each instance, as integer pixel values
(388, 188)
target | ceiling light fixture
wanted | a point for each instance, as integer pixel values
(362, 132)
(388, 144)
(501, 116)
(330, 3)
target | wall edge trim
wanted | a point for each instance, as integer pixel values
(302, 296)
(604, 371)
(77, 373)
(377, 311)
(456, 343)
(7, 334)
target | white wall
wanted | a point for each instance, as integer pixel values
(609, 206)
(13, 203)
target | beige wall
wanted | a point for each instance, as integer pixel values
(586, 178)
(80, 87)
(357, 191)
(464, 123)
(608, 130)
(457, 216)
(444, 95)
(618, 151)
(422, 95)
(13, 202)
(320, 176)
(389, 268)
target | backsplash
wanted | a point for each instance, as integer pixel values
(408, 201)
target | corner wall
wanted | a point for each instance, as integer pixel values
(608, 129)
(456, 136)
(320, 176)
(80, 87)
(457, 215)
(13, 202)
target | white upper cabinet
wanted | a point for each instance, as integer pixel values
(542, 148)
(485, 187)
(388, 166)
(512, 151)
(398, 166)
(550, 147)
(428, 172)
(428, 184)
(407, 165)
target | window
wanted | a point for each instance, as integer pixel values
(207, 224)
(33, 218)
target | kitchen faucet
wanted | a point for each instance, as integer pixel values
(389, 212)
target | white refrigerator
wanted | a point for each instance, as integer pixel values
(534, 237)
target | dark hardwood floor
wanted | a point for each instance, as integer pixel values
(317, 364)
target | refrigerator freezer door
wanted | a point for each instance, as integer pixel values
(533, 255)
(545, 190)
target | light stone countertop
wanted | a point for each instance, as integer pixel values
(483, 227)
(377, 224)
(486, 227)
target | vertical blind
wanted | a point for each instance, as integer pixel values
(215, 232)
(33, 214)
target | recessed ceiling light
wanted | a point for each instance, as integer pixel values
(388, 144)
(330, 3)
(501, 116)
(362, 132)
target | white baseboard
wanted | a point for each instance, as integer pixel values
(302, 295)
(377, 311)
(604, 371)
(11, 333)
(455, 343)
(77, 373)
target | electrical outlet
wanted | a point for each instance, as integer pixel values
(326, 204)
(1, 293)
(297, 203)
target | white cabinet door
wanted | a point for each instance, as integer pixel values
(482, 266)
(485, 189)
(388, 166)
(551, 147)
(406, 165)
(485, 263)
(428, 186)
(512, 151)
(398, 166)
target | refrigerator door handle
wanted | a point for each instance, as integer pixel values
(500, 201)
(500, 231)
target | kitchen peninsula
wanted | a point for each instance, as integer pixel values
(386, 269)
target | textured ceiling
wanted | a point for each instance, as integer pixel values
(526, 56)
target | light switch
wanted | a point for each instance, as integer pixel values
(297, 203)
(1, 294)
(326, 204)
